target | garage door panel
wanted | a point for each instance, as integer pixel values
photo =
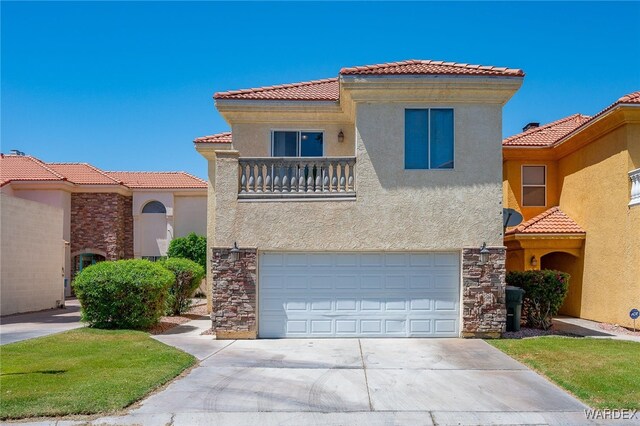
(359, 295)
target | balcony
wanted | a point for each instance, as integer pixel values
(634, 175)
(297, 178)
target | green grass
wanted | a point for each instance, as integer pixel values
(603, 373)
(83, 371)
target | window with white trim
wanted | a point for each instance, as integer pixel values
(292, 143)
(428, 138)
(534, 186)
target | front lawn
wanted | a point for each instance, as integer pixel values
(83, 371)
(603, 373)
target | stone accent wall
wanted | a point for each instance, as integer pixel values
(233, 289)
(483, 293)
(102, 221)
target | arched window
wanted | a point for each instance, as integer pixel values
(154, 207)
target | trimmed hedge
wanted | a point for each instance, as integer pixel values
(188, 276)
(544, 293)
(129, 294)
(193, 247)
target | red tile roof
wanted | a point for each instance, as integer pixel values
(329, 89)
(83, 174)
(428, 67)
(554, 133)
(552, 221)
(548, 134)
(224, 137)
(317, 90)
(27, 168)
(159, 180)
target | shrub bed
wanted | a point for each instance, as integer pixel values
(544, 293)
(129, 294)
(188, 275)
(193, 247)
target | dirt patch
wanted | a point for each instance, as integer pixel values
(618, 329)
(207, 332)
(534, 332)
(168, 322)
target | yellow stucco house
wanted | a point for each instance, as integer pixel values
(576, 182)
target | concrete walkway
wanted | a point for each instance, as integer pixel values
(14, 328)
(587, 328)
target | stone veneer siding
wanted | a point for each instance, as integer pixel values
(102, 221)
(483, 293)
(234, 303)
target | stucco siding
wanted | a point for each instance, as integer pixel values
(395, 209)
(595, 193)
(190, 215)
(31, 255)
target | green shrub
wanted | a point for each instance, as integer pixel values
(193, 247)
(188, 276)
(544, 293)
(127, 294)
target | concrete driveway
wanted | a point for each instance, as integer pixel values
(357, 381)
(14, 328)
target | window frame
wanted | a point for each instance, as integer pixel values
(453, 136)
(298, 140)
(522, 184)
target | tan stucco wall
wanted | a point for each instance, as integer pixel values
(595, 193)
(395, 209)
(31, 255)
(190, 215)
(62, 200)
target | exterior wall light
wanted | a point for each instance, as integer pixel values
(341, 137)
(235, 252)
(533, 262)
(484, 254)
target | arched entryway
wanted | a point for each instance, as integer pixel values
(565, 262)
(153, 230)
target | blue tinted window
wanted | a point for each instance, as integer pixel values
(311, 144)
(285, 144)
(416, 139)
(154, 207)
(441, 139)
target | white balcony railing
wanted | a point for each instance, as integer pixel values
(297, 177)
(634, 175)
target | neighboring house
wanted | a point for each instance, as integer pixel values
(360, 204)
(109, 215)
(576, 182)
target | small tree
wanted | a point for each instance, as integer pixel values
(188, 276)
(544, 293)
(123, 294)
(193, 247)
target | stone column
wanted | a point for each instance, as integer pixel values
(483, 293)
(233, 294)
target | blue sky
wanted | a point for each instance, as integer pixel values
(127, 86)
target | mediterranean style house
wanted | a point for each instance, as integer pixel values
(358, 205)
(576, 182)
(104, 216)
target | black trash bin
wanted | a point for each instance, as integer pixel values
(514, 297)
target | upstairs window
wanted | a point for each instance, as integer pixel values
(534, 186)
(297, 144)
(428, 138)
(154, 207)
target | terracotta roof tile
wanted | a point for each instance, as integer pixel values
(552, 221)
(83, 174)
(548, 134)
(316, 90)
(159, 180)
(25, 168)
(428, 67)
(224, 137)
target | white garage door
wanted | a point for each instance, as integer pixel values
(359, 295)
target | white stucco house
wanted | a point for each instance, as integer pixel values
(359, 204)
(103, 216)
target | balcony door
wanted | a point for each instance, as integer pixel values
(297, 143)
